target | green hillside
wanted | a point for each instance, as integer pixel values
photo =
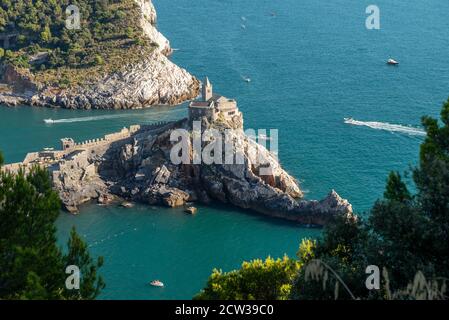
(109, 35)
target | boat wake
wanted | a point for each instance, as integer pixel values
(413, 131)
(246, 79)
(84, 119)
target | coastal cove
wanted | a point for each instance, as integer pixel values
(304, 83)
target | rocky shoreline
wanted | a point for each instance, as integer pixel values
(155, 80)
(135, 165)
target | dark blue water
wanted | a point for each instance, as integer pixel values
(311, 64)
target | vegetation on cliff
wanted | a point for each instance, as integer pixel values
(32, 266)
(109, 34)
(405, 235)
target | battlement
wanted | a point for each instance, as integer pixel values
(49, 156)
(122, 134)
(68, 144)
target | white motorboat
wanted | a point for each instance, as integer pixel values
(49, 120)
(392, 62)
(156, 283)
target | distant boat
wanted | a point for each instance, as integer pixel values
(49, 149)
(156, 283)
(246, 79)
(49, 120)
(349, 120)
(127, 204)
(243, 26)
(392, 62)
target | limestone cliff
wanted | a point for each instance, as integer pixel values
(155, 80)
(148, 22)
(152, 80)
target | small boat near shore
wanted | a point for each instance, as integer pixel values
(49, 120)
(392, 62)
(157, 283)
(127, 204)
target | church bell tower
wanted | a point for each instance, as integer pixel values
(207, 90)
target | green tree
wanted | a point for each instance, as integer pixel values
(432, 181)
(98, 60)
(396, 189)
(407, 235)
(78, 255)
(46, 35)
(256, 280)
(32, 266)
(129, 33)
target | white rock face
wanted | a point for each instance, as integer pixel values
(148, 10)
(148, 23)
(155, 80)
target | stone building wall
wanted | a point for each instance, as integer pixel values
(196, 113)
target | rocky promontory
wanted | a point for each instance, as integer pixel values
(148, 78)
(136, 165)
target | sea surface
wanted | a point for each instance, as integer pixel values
(312, 63)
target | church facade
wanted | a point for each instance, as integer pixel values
(212, 106)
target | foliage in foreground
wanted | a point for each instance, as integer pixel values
(406, 235)
(256, 280)
(32, 266)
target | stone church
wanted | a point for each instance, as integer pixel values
(212, 106)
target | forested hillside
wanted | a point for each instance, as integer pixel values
(109, 30)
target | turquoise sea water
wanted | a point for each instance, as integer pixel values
(311, 63)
